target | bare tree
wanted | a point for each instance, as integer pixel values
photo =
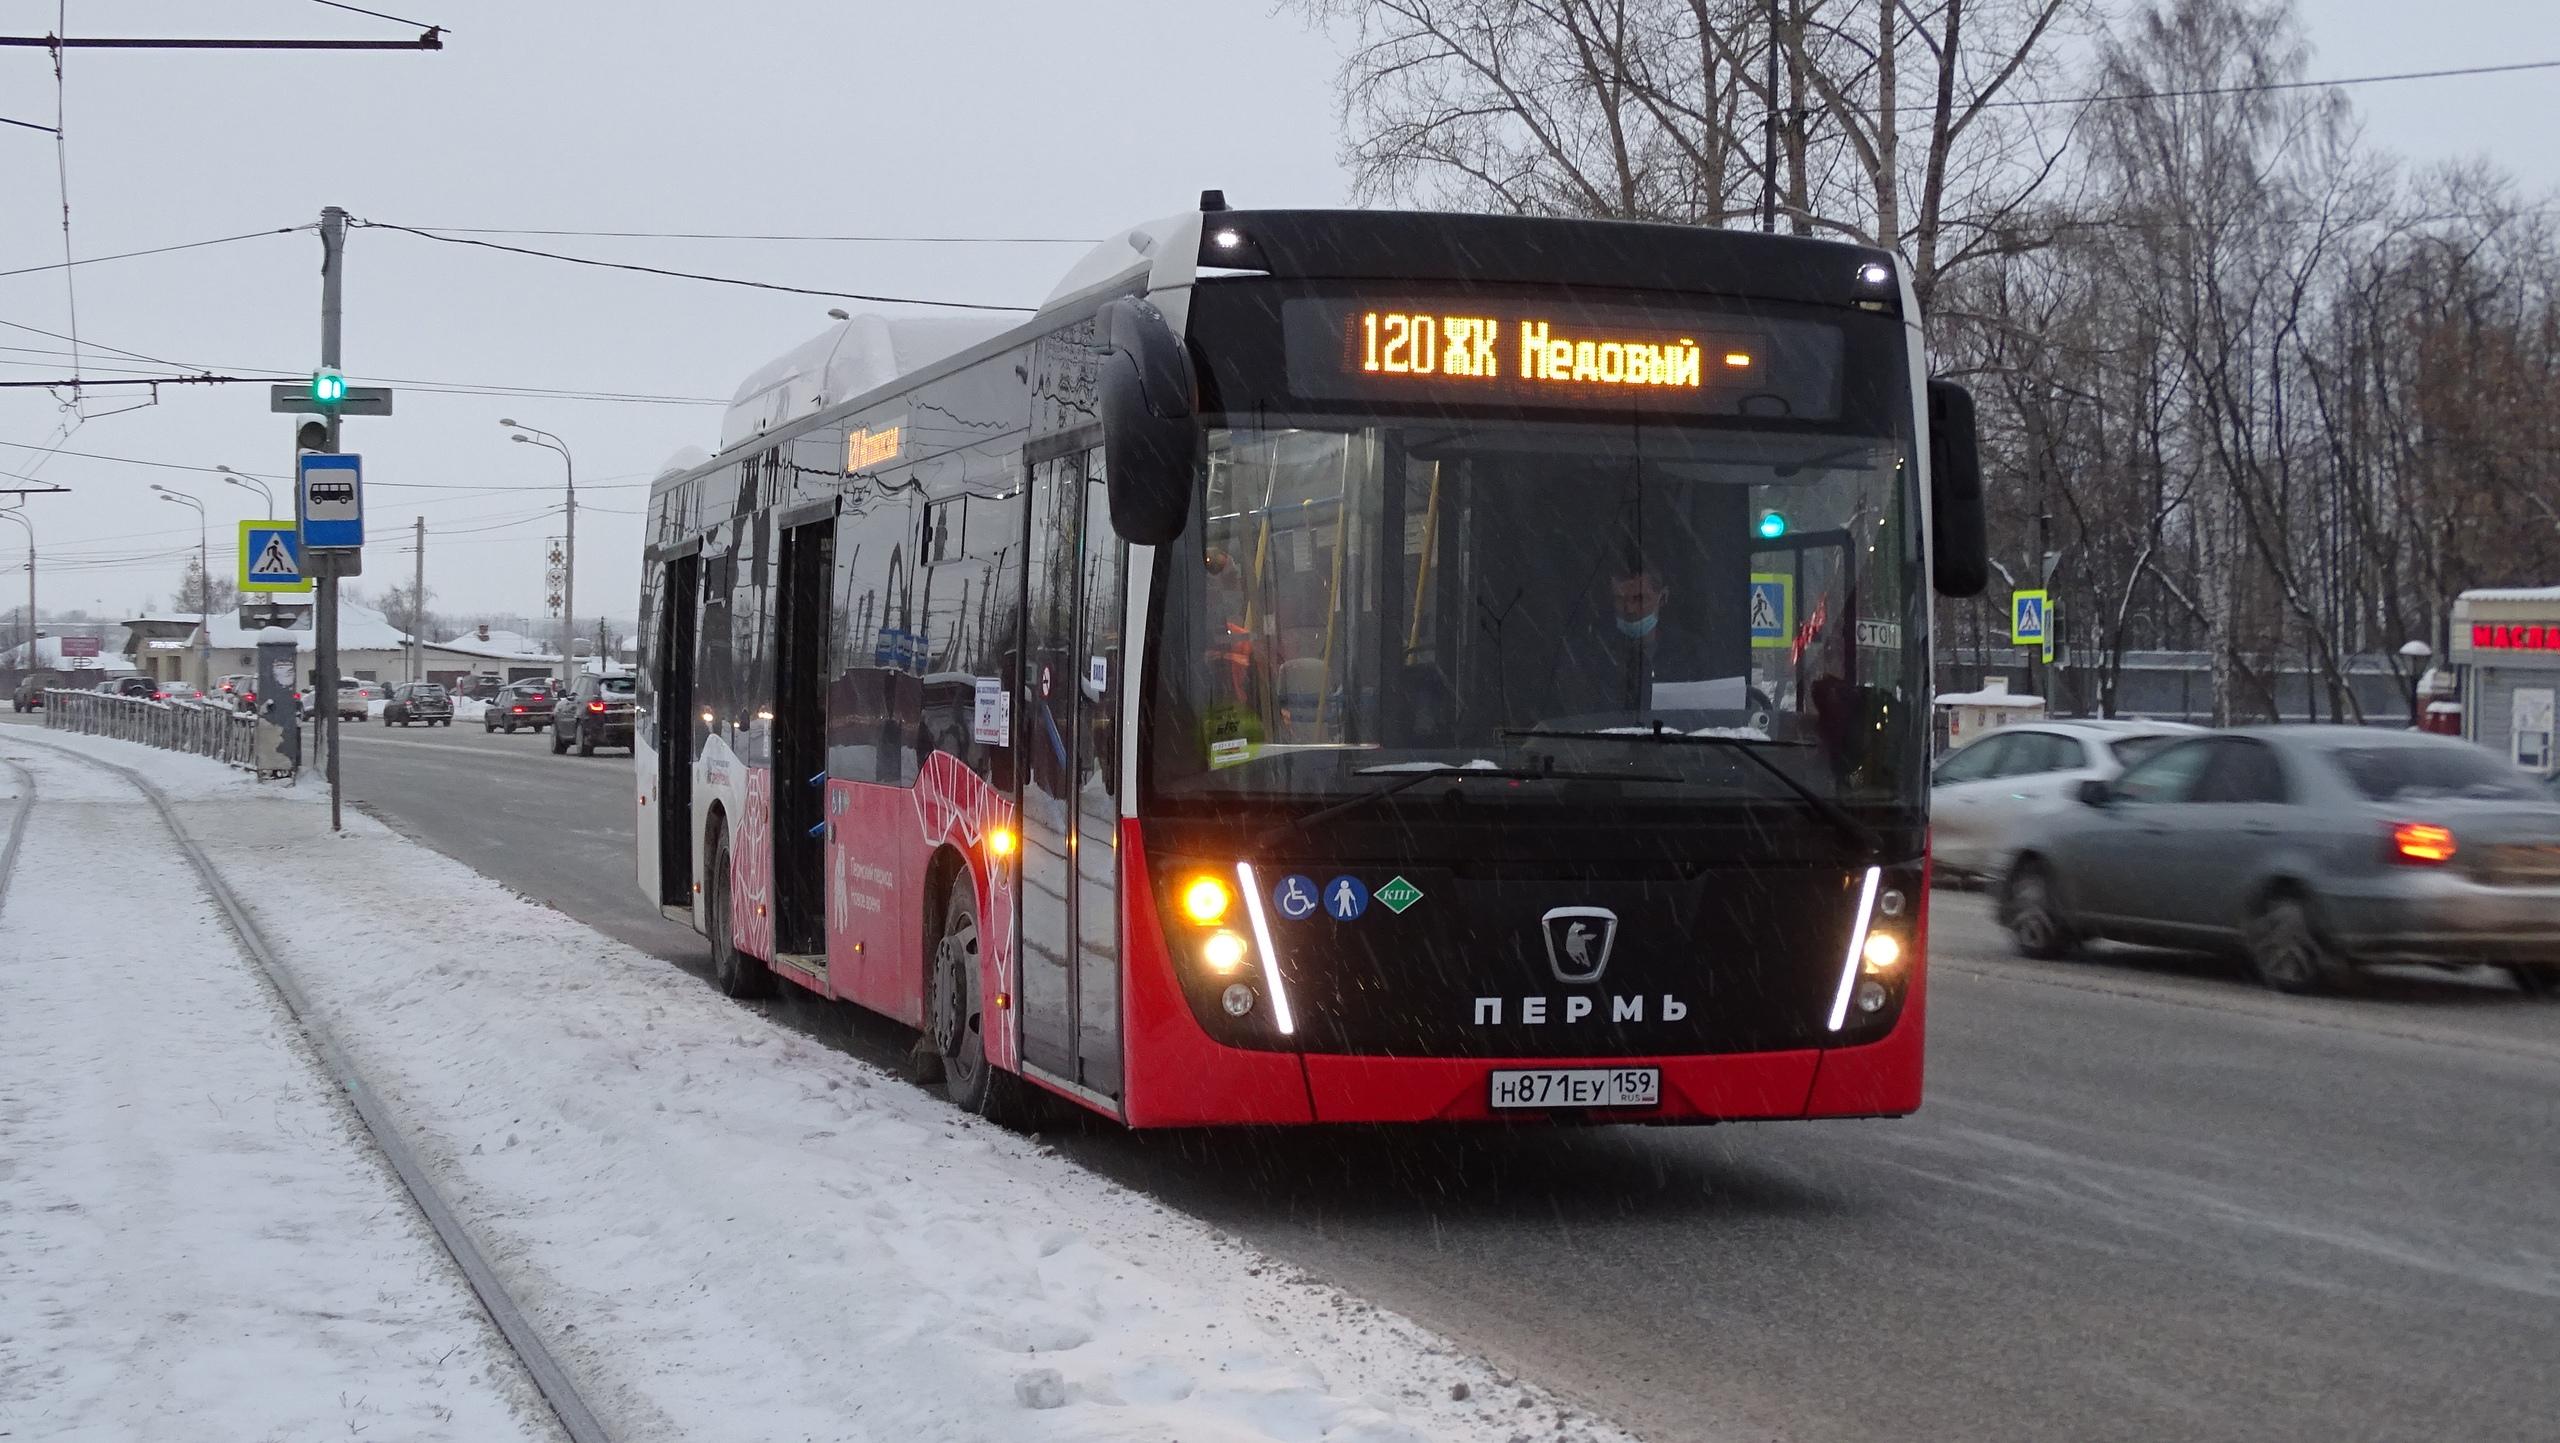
(1657, 110)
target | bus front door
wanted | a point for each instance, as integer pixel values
(1066, 741)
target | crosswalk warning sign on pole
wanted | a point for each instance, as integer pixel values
(271, 557)
(2027, 616)
(1773, 609)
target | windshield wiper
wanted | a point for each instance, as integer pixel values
(1831, 811)
(1550, 772)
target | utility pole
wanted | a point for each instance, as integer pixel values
(418, 607)
(14, 515)
(1769, 142)
(333, 247)
(569, 583)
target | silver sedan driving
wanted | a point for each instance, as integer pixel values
(2308, 850)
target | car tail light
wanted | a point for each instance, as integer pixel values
(2421, 844)
(519, 711)
(595, 706)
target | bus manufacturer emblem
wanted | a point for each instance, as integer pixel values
(1578, 940)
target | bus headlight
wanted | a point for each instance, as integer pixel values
(1882, 952)
(1224, 951)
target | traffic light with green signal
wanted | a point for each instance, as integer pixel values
(328, 386)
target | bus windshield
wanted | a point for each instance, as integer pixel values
(1355, 600)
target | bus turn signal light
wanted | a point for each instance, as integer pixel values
(1205, 901)
(2419, 842)
(1000, 841)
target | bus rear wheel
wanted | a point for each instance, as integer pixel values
(958, 1018)
(734, 972)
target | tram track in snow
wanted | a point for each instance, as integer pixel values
(17, 827)
(558, 1391)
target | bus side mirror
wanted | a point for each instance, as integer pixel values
(1150, 432)
(1960, 549)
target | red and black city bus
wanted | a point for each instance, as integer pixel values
(1334, 667)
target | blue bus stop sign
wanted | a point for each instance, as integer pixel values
(329, 491)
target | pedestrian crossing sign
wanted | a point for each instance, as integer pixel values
(271, 557)
(1773, 609)
(2027, 618)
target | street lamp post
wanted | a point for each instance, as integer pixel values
(31, 583)
(204, 586)
(247, 482)
(534, 436)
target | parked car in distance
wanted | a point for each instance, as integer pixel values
(521, 704)
(2311, 851)
(356, 698)
(141, 686)
(420, 701)
(479, 686)
(598, 714)
(1987, 790)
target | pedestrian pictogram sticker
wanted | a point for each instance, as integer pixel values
(271, 557)
(1345, 898)
(2026, 618)
(1773, 609)
(1295, 896)
(1398, 894)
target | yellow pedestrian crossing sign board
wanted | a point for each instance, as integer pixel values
(1773, 609)
(271, 557)
(2027, 616)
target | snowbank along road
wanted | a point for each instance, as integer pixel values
(724, 1230)
(197, 1235)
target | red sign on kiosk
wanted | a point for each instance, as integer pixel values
(2486, 636)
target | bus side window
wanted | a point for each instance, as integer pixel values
(969, 599)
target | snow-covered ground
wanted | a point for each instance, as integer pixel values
(730, 1232)
(195, 1239)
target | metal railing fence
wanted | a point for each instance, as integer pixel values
(203, 729)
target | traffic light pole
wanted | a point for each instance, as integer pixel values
(418, 606)
(324, 706)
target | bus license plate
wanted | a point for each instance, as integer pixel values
(1543, 1087)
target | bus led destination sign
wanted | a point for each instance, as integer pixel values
(1542, 351)
(1561, 353)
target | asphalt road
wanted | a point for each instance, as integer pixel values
(2144, 1200)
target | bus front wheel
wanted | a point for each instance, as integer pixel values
(735, 973)
(958, 1018)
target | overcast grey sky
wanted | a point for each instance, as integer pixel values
(962, 117)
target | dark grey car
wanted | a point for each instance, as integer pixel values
(423, 702)
(2309, 850)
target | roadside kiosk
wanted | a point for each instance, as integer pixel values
(1964, 715)
(2506, 646)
